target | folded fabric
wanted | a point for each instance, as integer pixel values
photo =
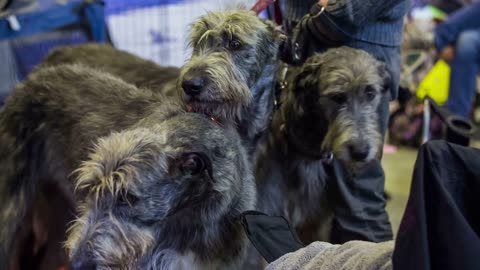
(358, 255)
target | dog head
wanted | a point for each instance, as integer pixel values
(186, 169)
(231, 52)
(338, 93)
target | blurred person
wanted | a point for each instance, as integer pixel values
(457, 41)
(376, 27)
(450, 6)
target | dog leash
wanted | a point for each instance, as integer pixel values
(261, 5)
(280, 86)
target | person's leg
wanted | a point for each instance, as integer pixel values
(360, 202)
(360, 205)
(463, 76)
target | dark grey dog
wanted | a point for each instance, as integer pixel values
(128, 67)
(231, 73)
(329, 107)
(164, 197)
(164, 190)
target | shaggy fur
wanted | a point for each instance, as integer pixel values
(232, 68)
(330, 106)
(128, 67)
(163, 191)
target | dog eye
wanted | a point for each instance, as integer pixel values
(339, 98)
(370, 94)
(192, 164)
(234, 44)
(127, 199)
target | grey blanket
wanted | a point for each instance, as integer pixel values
(356, 255)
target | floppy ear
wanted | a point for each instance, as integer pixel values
(305, 83)
(280, 34)
(386, 78)
(278, 37)
(310, 69)
(277, 30)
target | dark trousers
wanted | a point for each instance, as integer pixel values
(440, 228)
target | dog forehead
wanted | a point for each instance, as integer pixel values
(219, 18)
(352, 77)
(243, 24)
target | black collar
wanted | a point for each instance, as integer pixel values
(293, 143)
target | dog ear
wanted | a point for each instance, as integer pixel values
(386, 78)
(279, 38)
(305, 84)
(311, 66)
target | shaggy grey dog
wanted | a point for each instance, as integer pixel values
(164, 197)
(164, 190)
(128, 67)
(229, 77)
(329, 107)
(231, 73)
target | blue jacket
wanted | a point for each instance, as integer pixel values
(466, 18)
(372, 21)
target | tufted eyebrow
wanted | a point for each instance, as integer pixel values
(204, 36)
(333, 90)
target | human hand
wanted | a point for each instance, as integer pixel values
(323, 3)
(447, 53)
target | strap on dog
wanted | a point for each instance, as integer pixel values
(261, 5)
(272, 236)
(280, 85)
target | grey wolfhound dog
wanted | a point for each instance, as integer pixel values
(329, 107)
(128, 67)
(161, 189)
(231, 73)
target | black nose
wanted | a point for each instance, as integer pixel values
(194, 86)
(358, 152)
(83, 265)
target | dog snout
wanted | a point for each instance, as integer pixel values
(193, 83)
(358, 152)
(85, 264)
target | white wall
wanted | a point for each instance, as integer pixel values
(136, 30)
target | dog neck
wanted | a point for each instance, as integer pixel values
(302, 144)
(219, 241)
(295, 144)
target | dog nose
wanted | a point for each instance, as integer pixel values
(358, 152)
(83, 265)
(194, 86)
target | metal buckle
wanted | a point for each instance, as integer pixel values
(327, 157)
